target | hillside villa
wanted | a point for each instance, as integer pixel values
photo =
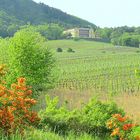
(81, 32)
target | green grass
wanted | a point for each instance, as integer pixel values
(96, 65)
(40, 135)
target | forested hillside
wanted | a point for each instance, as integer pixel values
(14, 13)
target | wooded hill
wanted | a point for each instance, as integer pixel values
(20, 12)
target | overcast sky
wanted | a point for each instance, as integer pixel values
(103, 13)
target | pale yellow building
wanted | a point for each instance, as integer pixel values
(81, 32)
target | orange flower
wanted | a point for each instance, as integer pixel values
(122, 119)
(2, 88)
(17, 87)
(137, 138)
(110, 124)
(13, 86)
(21, 81)
(20, 99)
(32, 101)
(2, 93)
(20, 93)
(29, 92)
(14, 104)
(119, 117)
(127, 126)
(11, 92)
(12, 109)
(115, 132)
(116, 115)
(23, 88)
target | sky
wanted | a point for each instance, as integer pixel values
(103, 13)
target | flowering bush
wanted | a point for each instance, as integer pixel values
(15, 106)
(121, 126)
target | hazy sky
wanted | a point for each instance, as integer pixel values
(104, 13)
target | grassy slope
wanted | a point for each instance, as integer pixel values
(87, 48)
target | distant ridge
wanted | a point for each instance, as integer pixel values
(28, 11)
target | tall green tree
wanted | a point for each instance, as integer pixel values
(30, 58)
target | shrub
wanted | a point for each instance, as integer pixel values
(70, 50)
(30, 58)
(96, 114)
(91, 118)
(138, 51)
(59, 50)
(15, 107)
(103, 51)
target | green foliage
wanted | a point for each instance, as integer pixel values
(50, 31)
(9, 24)
(137, 73)
(30, 58)
(130, 40)
(123, 36)
(135, 134)
(104, 33)
(37, 134)
(59, 50)
(70, 50)
(91, 118)
(4, 44)
(54, 32)
(16, 136)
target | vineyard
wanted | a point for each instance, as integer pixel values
(97, 66)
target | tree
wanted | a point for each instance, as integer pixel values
(54, 32)
(30, 58)
(130, 40)
(104, 32)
